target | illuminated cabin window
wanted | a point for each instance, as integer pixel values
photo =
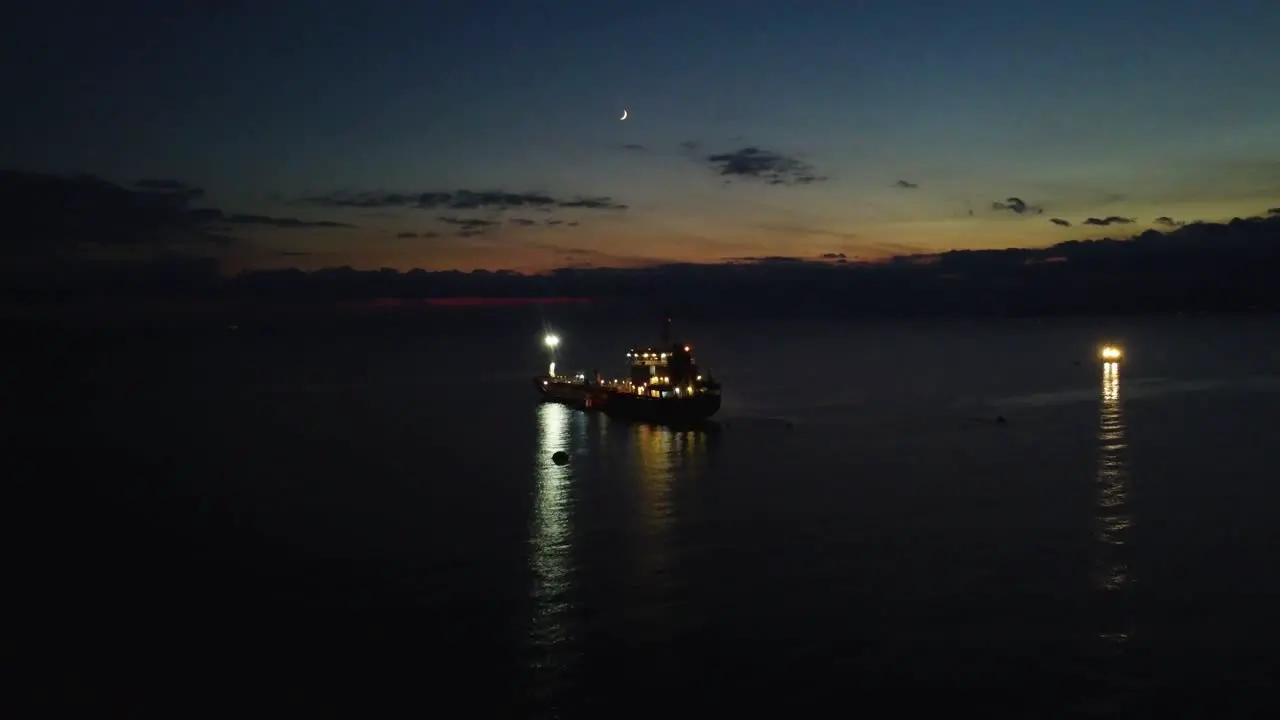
(655, 393)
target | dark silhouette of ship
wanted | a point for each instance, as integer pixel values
(664, 385)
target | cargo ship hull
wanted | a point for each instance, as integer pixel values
(569, 393)
(661, 410)
(619, 404)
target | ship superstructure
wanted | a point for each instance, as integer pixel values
(664, 382)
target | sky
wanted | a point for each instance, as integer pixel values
(487, 134)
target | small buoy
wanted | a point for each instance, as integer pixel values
(560, 457)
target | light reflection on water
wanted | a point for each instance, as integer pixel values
(664, 458)
(551, 560)
(648, 468)
(1114, 519)
(655, 449)
(1113, 527)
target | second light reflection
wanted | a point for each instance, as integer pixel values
(665, 457)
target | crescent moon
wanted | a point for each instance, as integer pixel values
(624, 115)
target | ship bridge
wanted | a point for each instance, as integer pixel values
(660, 370)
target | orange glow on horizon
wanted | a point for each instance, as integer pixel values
(646, 240)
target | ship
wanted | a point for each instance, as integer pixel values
(664, 385)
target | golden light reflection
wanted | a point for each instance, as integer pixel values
(1113, 519)
(666, 457)
(658, 460)
(550, 539)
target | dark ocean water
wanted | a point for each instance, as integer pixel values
(347, 517)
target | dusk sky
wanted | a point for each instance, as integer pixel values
(490, 130)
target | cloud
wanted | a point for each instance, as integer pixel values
(1201, 266)
(486, 202)
(71, 215)
(1165, 221)
(1109, 220)
(598, 202)
(471, 227)
(633, 146)
(905, 185)
(407, 235)
(172, 186)
(467, 222)
(1060, 222)
(757, 259)
(242, 219)
(1016, 205)
(496, 200)
(468, 227)
(754, 164)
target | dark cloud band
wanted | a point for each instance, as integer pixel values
(764, 166)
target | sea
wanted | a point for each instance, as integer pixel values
(938, 516)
